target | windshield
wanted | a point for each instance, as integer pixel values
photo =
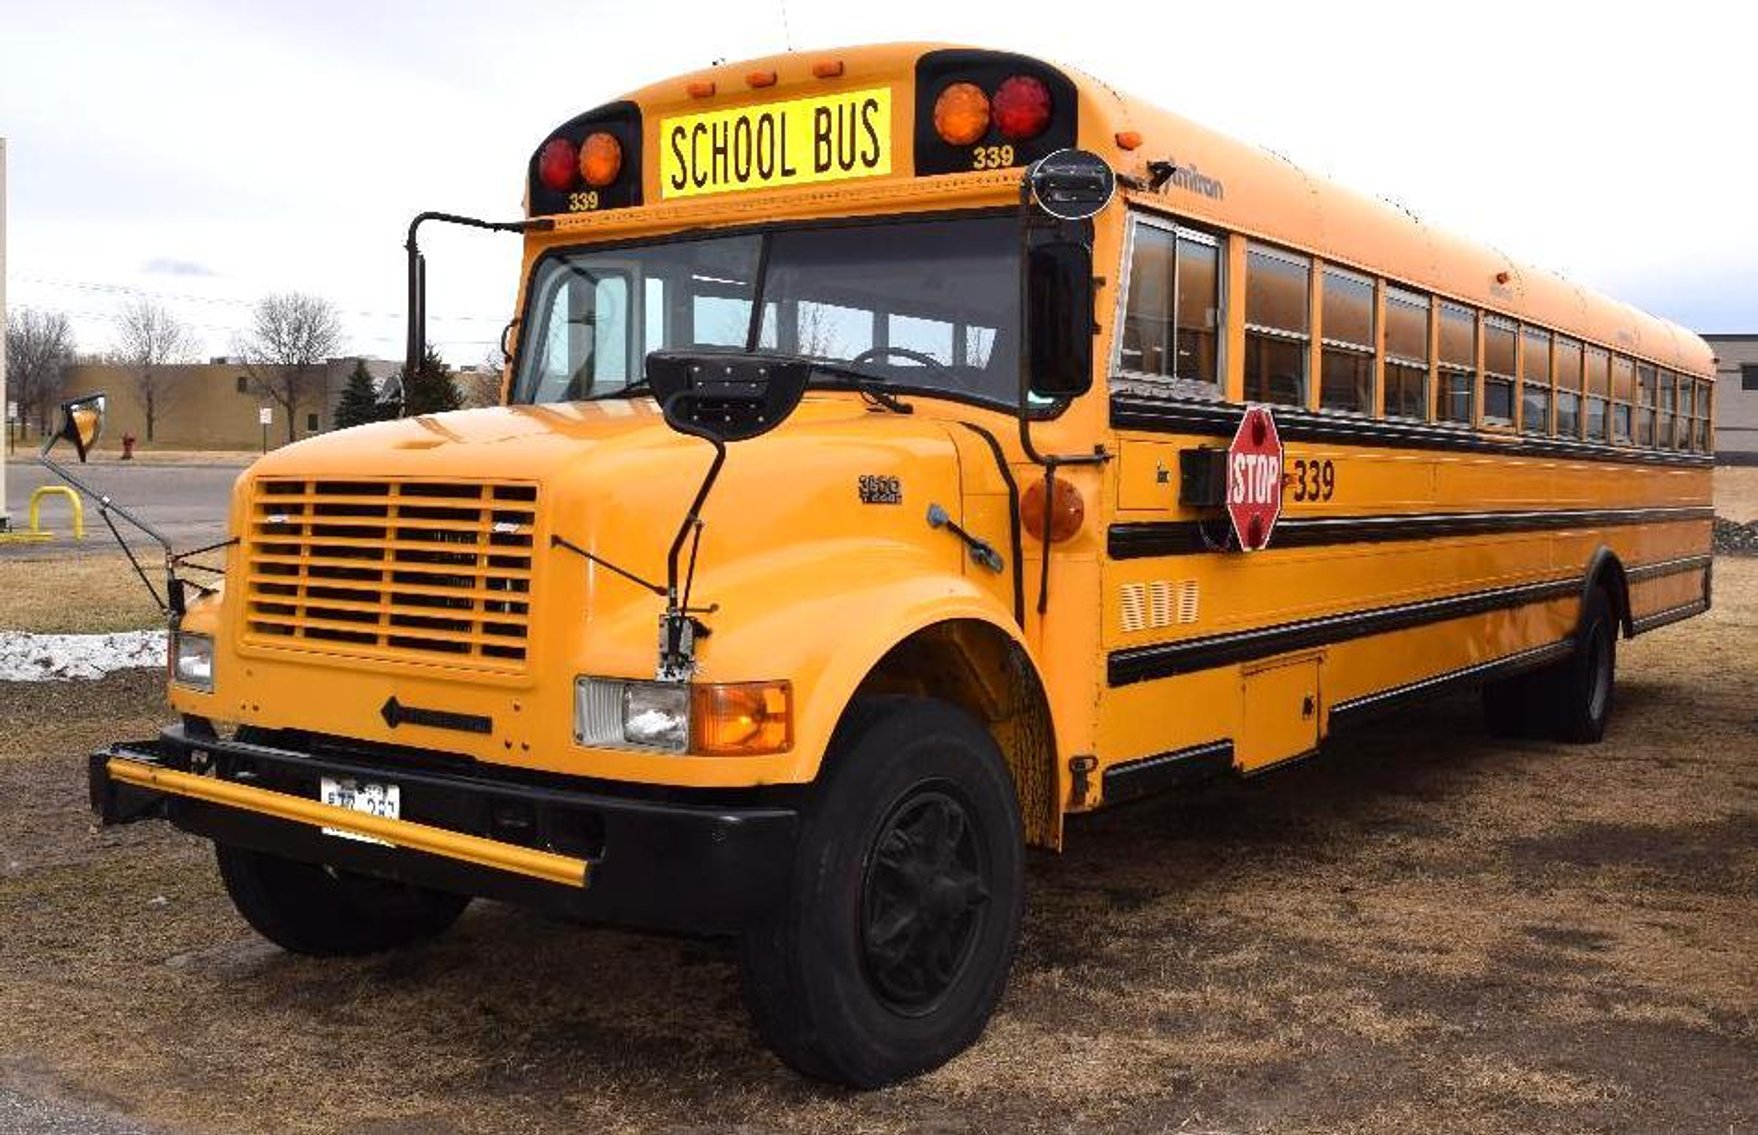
(945, 291)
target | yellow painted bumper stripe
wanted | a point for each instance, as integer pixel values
(544, 865)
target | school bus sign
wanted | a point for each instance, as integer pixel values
(1254, 478)
(797, 142)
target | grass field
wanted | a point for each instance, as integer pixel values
(1424, 930)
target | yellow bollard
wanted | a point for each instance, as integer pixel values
(74, 502)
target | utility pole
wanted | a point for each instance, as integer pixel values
(5, 518)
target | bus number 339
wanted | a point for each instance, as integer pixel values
(1313, 480)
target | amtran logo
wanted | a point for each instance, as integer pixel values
(1187, 177)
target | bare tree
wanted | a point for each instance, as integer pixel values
(284, 353)
(38, 345)
(481, 385)
(148, 338)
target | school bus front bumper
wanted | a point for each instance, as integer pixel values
(583, 851)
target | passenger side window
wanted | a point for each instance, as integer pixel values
(1568, 367)
(1499, 337)
(1406, 354)
(1346, 323)
(1534, 381)
(1277, 325)
(1458, 365)
(1172, 311)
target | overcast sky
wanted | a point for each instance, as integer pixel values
(206, 153)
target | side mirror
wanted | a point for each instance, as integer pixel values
(722, 397)
(82, 423)
(1059, 318)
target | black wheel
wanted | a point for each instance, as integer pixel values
(894, 944)
(1575, 695)
(308, 909)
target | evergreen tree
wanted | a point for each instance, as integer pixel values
(431, 389)
(359, 403)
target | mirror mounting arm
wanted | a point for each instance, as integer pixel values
(415, 345)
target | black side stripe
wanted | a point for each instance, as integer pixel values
(1644, 572)
(1670, 615)
(1218, 419)
(1164, 660)
(1149, 775)
(1354, 710)
(1192, 537)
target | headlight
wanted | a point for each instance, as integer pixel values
(193, 661)
(741, 719)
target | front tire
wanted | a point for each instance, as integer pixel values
(307, 909)
(893, 947)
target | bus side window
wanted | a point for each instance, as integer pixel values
(1598, 395)
(1498, 371)
(1277, 325)
(1406, 354)
(1568, 365)
(1171, 310)
(1458, 365)
(1645, 390)
(1346, 358)
(1534, 381)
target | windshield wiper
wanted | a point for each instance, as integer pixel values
(871, 386)
(632, 390)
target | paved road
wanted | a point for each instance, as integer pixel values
(186, 502)
(22, 1114)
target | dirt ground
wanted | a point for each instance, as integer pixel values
(1736, 492)
(1424, 929)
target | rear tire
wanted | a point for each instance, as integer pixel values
(307, 909)
(1568, 700)
(1575, 695)
(893, 946)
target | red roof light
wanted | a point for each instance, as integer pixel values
(558, 164)
(1021, 107)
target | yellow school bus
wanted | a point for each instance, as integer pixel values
(905, 448)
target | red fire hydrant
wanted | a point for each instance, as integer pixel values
(128, 447)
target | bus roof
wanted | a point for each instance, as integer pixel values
(1208, 177)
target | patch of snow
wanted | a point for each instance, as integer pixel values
(60, 657)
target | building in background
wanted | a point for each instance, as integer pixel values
(1736, 398)
(214, 405)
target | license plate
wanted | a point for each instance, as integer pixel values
(798, 142)
(360, 796)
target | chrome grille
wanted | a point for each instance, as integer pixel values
(422, 570)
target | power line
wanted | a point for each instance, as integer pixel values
(154, 293)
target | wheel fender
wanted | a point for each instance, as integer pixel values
(1604, 569)
(834, 630)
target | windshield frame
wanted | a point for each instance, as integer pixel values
(820, 380)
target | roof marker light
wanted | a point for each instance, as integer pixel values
(760, 79)
(1129, 139)
(827, 69)
(701, 88)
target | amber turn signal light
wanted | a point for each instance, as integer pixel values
(1066, 513)
(961, 114)
(742, 719)
(601, 159)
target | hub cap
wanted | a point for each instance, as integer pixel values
(923, 901)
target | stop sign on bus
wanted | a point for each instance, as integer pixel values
(1254, 478)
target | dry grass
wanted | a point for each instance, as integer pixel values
(1426, 930)
(1736, 492)
(85, 594)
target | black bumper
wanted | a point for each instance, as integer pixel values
(695, 867)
